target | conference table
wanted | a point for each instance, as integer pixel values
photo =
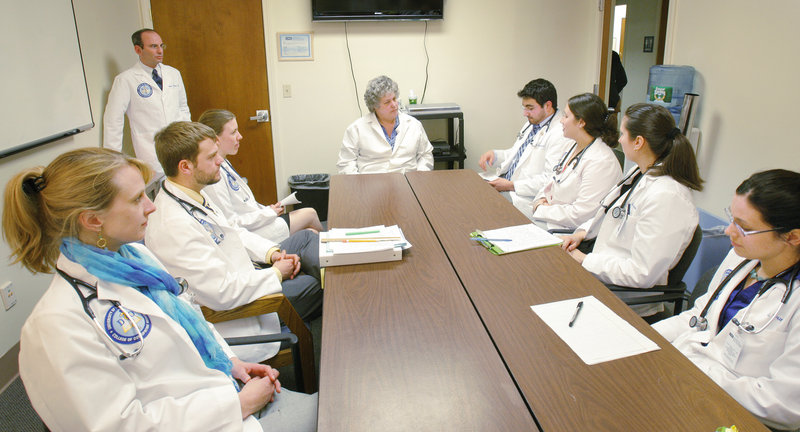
(658, 390)
(403, 349)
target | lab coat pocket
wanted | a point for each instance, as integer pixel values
(760, 350)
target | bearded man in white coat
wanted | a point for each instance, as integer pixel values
(527, 166)
(194, 240)
(151, 94)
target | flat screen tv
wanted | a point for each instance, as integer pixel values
(376, 10)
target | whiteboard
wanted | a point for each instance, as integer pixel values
(43, 92)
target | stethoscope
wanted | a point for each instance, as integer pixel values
(192, 209)
(560, 167)
(702, 323)
(624, 208)
(74, 282)
(232, 182)
(546, 124)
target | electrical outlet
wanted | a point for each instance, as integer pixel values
(287, 91)
(9, 299)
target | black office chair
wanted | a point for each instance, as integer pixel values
(675, 289)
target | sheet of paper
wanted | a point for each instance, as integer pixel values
(361, 233)
(289, 200)
(598, 334)
(523, 237)
(489, 175)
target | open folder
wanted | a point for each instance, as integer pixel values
(344, 246)
(515, 238)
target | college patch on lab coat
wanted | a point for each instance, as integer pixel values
(232, 182)
(144, 90)
(120, 328)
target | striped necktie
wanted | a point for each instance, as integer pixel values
(534, 129)
(157, 79)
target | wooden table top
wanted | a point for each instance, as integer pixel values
(660, 390)
(402, 346)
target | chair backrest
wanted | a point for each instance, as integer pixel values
(702, 286)
(620, 157)
(676, 274)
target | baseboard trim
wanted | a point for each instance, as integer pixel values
(9, 367)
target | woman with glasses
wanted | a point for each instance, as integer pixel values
(112, 344)
(645, 223)
(585, 172)
(744, 332)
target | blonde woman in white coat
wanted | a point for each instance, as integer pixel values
(234, 197)
(148, 361)
(647, 220)
(746, 343)
(585, 172)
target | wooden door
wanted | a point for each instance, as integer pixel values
(218, 45)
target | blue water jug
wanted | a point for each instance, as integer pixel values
(667, 85)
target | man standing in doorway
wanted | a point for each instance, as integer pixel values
(151, 94)
(528, 165)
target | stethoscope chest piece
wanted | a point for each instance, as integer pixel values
(701, 323)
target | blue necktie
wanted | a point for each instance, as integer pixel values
(528, 140)
(157, 79)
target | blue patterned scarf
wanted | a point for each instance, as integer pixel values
(131, 268)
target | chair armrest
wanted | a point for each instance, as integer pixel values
(656, 289)
(258, 339)
(260, 306)
(661, 293)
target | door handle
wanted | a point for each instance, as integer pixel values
(261, 116)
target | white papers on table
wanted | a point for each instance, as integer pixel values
(523, 237)
(598, 334)
(289, 200)
(333, 253)
(489, 175)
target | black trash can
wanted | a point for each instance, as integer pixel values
(312, 191)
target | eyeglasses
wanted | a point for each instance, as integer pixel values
(742, 231)
(154, 46)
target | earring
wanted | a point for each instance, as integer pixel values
(101, 242)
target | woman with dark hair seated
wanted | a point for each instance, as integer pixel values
(744, 332)
(646, 222)
(586, 171)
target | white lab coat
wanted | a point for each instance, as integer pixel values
(574, 194)
(365, 149)
(149, 109)
(76, 382)
(765, 378)
(232, 195)
(535, 167)
(639, 249)
(221, 276)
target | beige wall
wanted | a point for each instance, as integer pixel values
(746, 61)
(481, 54)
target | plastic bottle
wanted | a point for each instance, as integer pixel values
(412, 97)
(668, 84)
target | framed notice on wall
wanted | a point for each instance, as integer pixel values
(295, 46)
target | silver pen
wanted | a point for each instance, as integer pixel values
(577, 311)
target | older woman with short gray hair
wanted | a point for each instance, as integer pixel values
(384, 140)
